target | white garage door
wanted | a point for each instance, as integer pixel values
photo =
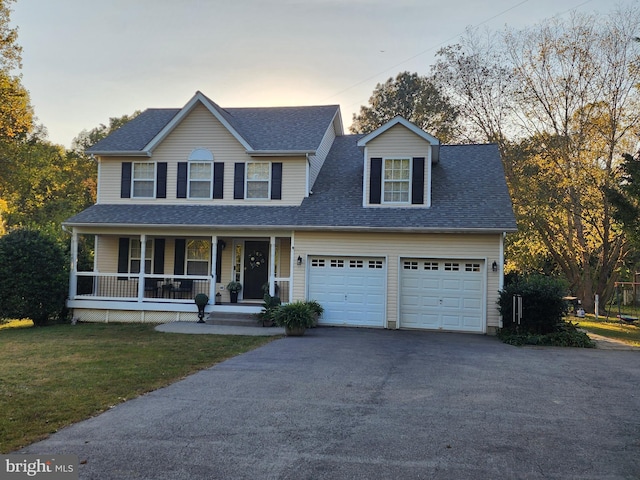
(442, 294)
(351, 290)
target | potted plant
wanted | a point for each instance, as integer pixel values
(268, 309)
(234, 287)
(295, 317)
(317, 310)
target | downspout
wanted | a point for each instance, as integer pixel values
(501, 272)
(308, 176)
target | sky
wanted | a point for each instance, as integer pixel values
(85, 61)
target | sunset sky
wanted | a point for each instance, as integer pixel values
(85, 61)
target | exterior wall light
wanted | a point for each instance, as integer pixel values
(299, 260)
(494, 266)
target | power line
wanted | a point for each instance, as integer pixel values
(443, 42)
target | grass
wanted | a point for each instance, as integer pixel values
(58, 375)
(613, 328)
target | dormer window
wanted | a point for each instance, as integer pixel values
(396, 180)
(200, 174)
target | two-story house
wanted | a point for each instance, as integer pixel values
(389, 230)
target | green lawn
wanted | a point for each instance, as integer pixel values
(53, 376)
(613, 328)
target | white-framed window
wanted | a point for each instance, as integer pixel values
(143, 180)
(200, 174)
(396, 180)
(135, 254)
(258, 180)
(198, 257)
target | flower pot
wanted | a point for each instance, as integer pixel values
(234, 297)
(294, 331)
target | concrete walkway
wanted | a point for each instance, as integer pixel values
(195, 328)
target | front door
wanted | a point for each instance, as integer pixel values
(256, 269)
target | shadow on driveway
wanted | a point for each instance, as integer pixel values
(364, 404)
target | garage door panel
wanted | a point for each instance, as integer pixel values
(442, 294)
(351, 290)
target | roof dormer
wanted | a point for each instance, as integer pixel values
(397, 165)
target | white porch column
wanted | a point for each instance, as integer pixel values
(272, 266)
(292, 261)
(73, 271)
(143, 261)
(214, 268)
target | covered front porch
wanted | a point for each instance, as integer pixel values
(154, 277)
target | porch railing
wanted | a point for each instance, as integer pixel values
(282, 289)
(119, 286)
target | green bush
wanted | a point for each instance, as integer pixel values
(566, 335)
(33, 277)
(543, 308)
(269, 307)
(294, 315)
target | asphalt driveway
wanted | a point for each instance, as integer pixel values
(375, 404)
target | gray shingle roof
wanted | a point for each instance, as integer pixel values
(269, 128)
(134, 135)
(469, 192)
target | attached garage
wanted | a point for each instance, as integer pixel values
(438, 294)
(352, 290)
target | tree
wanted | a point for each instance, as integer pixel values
(86, 139)
(33, 277)
(570, 111)
(16, 114)
(413, 97)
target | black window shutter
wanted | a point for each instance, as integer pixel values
(125, 180)
(123, 256)
(276, 181)
(178, 264)
(219, 262)
(158, 256)
(375, 182)
(181, 191)
(238, 181)
(161, 180)
(218, 180)
(417, 181)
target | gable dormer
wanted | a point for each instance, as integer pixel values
(397, 165)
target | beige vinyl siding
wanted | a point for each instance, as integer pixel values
(200, 129)
(318, 159)
(397, 142)
(394, 246)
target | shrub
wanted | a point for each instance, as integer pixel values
(543, 308)
(567, 335)
(269, 307)
(33, 277)
(294, 315)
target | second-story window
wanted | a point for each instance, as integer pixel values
(258, 177)
(143, 180)
(200, 173)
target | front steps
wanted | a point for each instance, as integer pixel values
(235, 319)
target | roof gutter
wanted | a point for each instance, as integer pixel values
(121, 153)
(280, 153)
(331, 228)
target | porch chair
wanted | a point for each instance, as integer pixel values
(151, 285)
(186, 286)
